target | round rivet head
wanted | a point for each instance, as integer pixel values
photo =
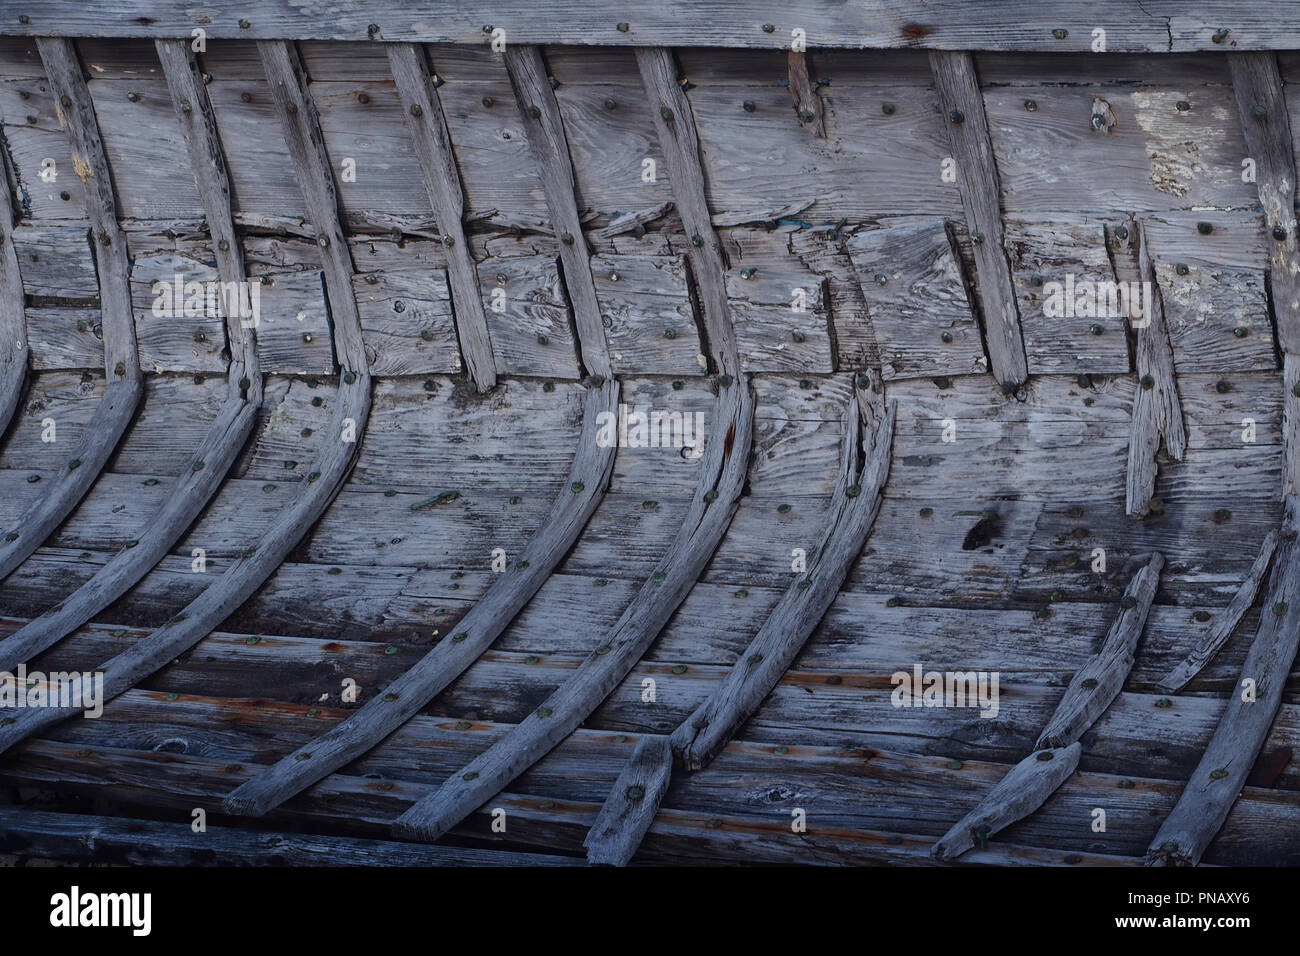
(567, 238)
(1259, 112)
(1121, 232)
(1218, 774)
(1221, 515)
(1045, 755)
(1279, 608)
(880, 278)
(697, 241)
(1098, 121)
(534, 112)
(291, 108)
(943, 381)
(1156, 506)
(945, 337)
(1060, 33)
(1201, 616)
(372, 30)
(1096, 328)
(666, 113)
(1240, 331)
(223, 245)
(1279, 234)
(24, 19)
(244, 24)
(1183, 106)
(448, 240)
(1031, 106)
(769, 28)
(797, 335)
(611, 103)
(119, 369)
(323, 241)
(957, 116)
(783, 509)
(888, 108)
(598, 380)
(805, 383)
(1088, 682)
(621, 27)
(670, 333)
(710, 496)
(748, 106)
(65, 102)
(635, 792)
(1128, 602)
(133, 96)
(349, 377)
(1205, 228)
(725, 381)
(1148, 381)
(1164, 703)
(1222, 387)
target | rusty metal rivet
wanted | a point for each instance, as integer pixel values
(244, 24)
(1060, 33)
(622, 27)
(1259, 112)
(769, 27)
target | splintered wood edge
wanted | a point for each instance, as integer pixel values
(630, 808)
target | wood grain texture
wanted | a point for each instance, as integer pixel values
(717, 494)
(1262, 109)
(1098, 682)
(540, 115)
(881, 24)
(13, 325)
(1252, 706)
(631, 806)
(56, 261)
(115, 411)
(474, 633)
(1157, 408)
(807, 104)
(968, 131)
(1021, 792)
(1225, 622)
(675, 124)
(428, 128)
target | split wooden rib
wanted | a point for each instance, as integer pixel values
(1218, 779)
(428, 125)
(1157, 411)
(1093, 688)
(1224, 623)
(121, 363)
(203, 474)
(631, 806)
(717, 494)
(13, 325)
(968, 132)
(332, 463)
(588, 478)
(806, 101)
(864, 466)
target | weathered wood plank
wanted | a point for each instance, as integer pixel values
(675, 123)
(56, 261)
(406, 320)
(919, 312)
(115, 411)
(1157, 408)
(475, 633)
(133, 842)
(14, 347)
(968, 131)
(630, 808)
(1252, 706)
(528, 316)
(1225, 623)
(1262, 108)
(717, 494)
(1098, 682)
(541, 117)
(645, 304)
(428, 126)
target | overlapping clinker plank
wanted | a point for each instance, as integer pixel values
(864, 466)
(121, 361)
(203, 476)
(333, 462)
(588, 478)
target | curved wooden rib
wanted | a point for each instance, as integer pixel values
(588, 478)
(332, 463)
(1224, 623)
(13, 325)
(864, 466)
(1093, 688)
(203, 475)
(717, 493)
(122, 365)
(410, 69)
(1219, 778)
(406, 695)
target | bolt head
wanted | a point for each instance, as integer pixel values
(1205, 228)
(1031, 106)
(1259, 112)
(1279, 234)
(1240, 331)
(957, 116)
(1183, 106)
(769, 28)
(887, 108)
(1060, 33)
(622, 27)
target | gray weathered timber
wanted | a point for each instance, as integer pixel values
(428, 127)
(1022, 791)
(540, 114)
(133, 842)
(1290, 424)
(1262, 108)
(806, 101)
(198, 122)
(645, 304)
(1157, 409)
(864, 466)
(198, 482)
(13, 325)
(474, 634)
(1098, 682)
(678, 138)
(1218, 779)
(631, 806)
(1159, 27)
(717, 494)
(968, 131)
(57, 261)
(1225, 622)
(315, 175)
(121, 362)
(922, 320)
